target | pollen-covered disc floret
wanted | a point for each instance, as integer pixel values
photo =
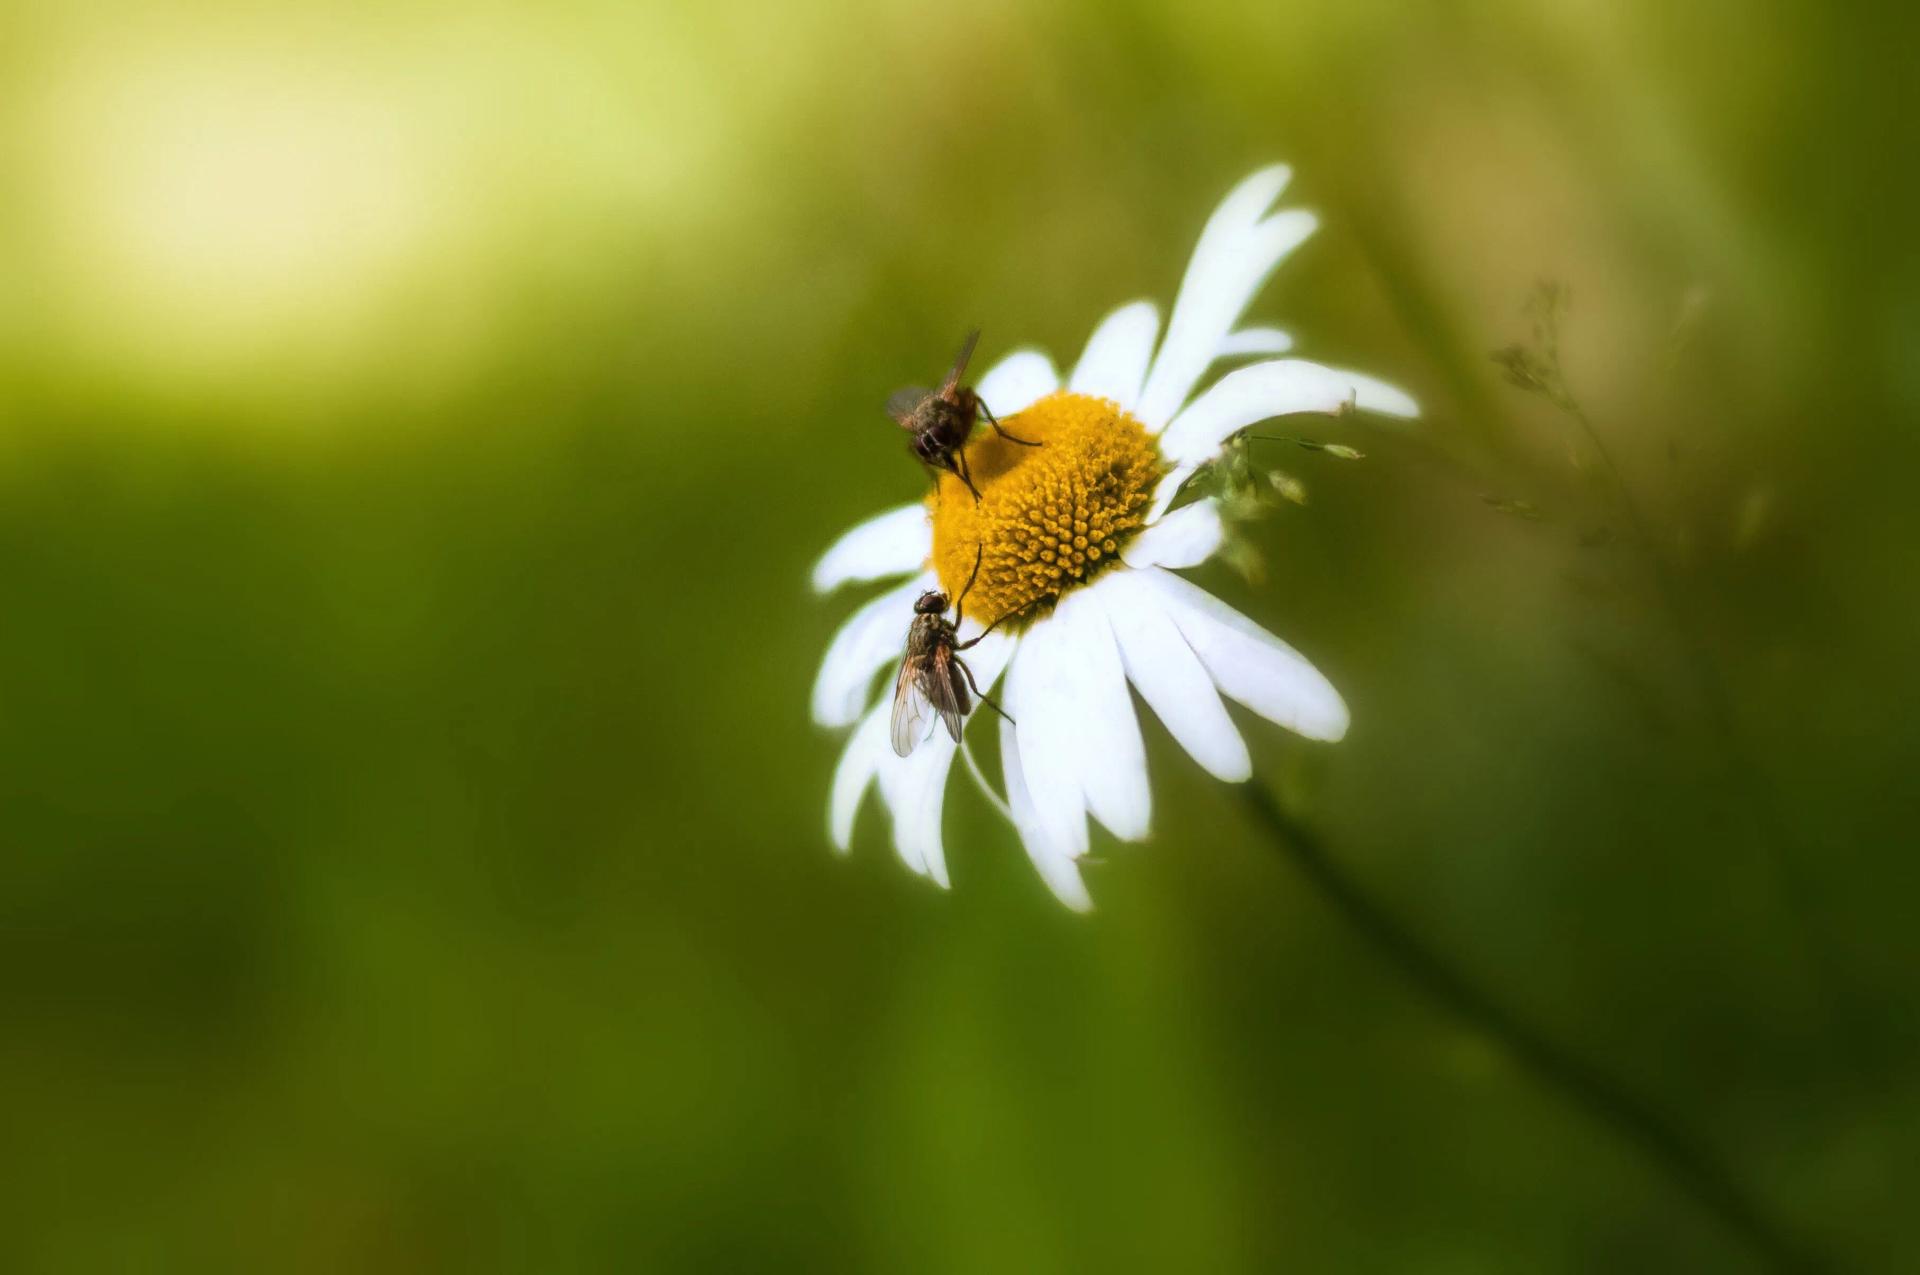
(1050, 516)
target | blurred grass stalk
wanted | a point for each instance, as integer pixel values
(1535, 367)
(1689, 1164)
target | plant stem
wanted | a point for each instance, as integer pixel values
(1771, 821)
(1689, 1165)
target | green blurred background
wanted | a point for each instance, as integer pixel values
(416, 424)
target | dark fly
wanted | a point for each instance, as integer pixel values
(933, 677)
(942, 420)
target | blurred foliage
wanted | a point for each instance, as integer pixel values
(417, 420)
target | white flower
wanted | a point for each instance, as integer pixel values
(1080, 525)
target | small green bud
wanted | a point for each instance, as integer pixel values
(1244, 560)
(1288, 487)
(1309, 444)
(1242, 504)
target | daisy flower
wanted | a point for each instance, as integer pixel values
(1078, 541)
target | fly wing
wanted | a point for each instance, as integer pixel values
(912, 713)
(947, 689)
(960, 362)
(902, 403)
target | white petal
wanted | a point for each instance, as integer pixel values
(1054, 861)
(891, 544)
(874, 634)
(1186, 537)
(1249, 664)
(1377, 396)
(914, 787)
(855, 771)
(1039, 700)
(1255, 341)
(1237, 251)
(1115, 363)
(989, 659)
(1017, 382)
(981, 782)
(1110, 757)
(1168, 488)
(1170, 676)
(1277, 388)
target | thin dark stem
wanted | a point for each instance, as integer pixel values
(1771, 820)
(1690, 1166)
(1699, 661)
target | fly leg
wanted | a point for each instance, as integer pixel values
(977, 692)
(957, 602)
(945, 463)
(929, 466)
(974, 641)
(960, 468)
(995, 422)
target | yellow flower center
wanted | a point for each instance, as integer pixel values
(1049, 517)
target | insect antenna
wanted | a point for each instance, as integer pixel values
(978, 549)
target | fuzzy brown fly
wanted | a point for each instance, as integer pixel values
(932, 674)
(942, 420)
